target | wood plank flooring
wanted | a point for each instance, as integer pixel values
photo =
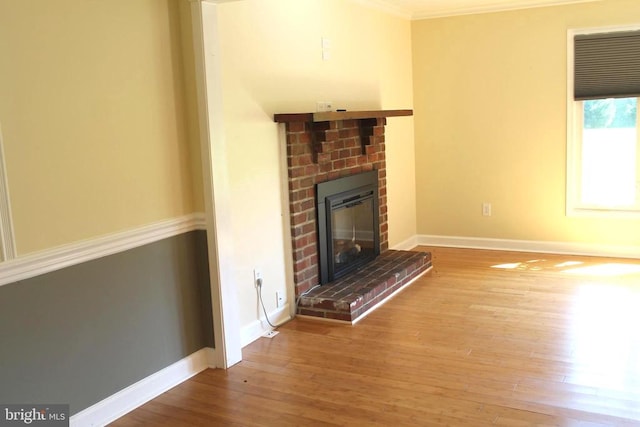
(485, 338)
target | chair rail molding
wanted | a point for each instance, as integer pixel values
(49, 260)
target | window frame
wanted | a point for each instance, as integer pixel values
(574, 208)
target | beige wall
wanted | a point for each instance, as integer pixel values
(271, 63)
(100, 128)
(93, 113)
(490, 103)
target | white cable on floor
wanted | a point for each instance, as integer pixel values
(259, 283)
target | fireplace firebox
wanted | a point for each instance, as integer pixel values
(348, 224)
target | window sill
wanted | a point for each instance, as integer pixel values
(602, 213)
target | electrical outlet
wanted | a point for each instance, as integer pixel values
(279, 299)
(486, 209)
(257, 276)
(323, 106)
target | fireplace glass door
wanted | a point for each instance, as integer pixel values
(348, 224)
(352, 233)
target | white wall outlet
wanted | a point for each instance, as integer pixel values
(279, 299)
(257, 276)
(486, 209)
(322, 106)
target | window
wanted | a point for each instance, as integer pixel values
(603, 142)
(609, 154)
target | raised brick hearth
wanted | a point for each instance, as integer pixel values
(323, 147)
(351, 297)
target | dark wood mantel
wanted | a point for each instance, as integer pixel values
(329, 116)
(323, 126)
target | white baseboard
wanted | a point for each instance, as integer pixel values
(568, 248)
(35, 264)
(257, 328)
(128, 399)
(406, 245)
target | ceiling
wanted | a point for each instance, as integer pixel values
(422, 9)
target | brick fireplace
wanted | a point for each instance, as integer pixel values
(322, 147)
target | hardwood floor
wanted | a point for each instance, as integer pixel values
(488, 337)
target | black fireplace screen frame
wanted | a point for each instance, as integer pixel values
(339, 192)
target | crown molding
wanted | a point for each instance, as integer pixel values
(391, 6)
(386, 6)
(213, 1)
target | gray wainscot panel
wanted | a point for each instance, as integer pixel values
(81, 334)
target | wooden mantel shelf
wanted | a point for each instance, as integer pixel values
(329, 116)
(322, 129)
